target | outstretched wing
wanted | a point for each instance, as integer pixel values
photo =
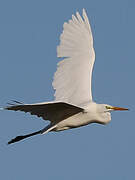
(53, 111)
(72, 80)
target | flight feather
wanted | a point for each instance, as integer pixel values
(72, 80)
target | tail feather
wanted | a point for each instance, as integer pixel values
(14, 102)
(18, 102)
(11, 104)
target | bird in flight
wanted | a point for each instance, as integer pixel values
(73, 105)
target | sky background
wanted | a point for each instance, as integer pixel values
(29, 34)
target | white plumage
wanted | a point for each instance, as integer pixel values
(73, 106)
(75, 70)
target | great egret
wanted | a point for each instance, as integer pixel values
(73, 106)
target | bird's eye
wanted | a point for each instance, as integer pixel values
(107, 107)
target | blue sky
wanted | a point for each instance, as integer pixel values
(29, 34)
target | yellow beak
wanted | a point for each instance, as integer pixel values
(119, 109)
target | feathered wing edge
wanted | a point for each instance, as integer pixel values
(52, 111)
(76, 47)
(67, 109)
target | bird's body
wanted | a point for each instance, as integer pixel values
(73, 105)
(89, 115)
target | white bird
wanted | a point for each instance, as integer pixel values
(73, 105)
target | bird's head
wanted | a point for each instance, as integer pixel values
(104, 112)
(108, 108)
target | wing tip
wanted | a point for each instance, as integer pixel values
(84, 11)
